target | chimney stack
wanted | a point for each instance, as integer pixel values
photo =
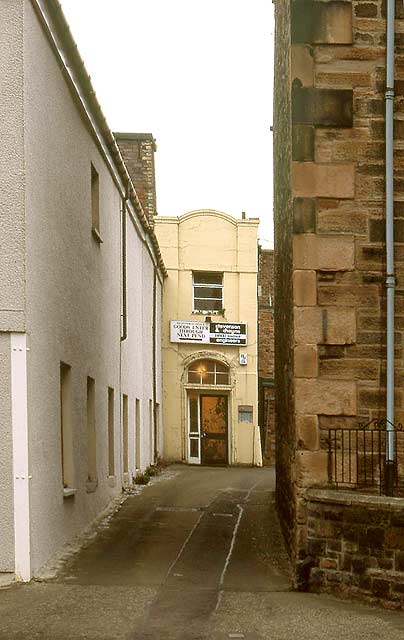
(138, 150)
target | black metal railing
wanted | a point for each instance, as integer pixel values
(369, 457)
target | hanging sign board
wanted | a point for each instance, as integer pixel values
(226, 333)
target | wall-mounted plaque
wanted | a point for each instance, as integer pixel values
(189, 331)
(228, 333)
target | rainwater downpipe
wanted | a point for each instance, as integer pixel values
(390, 277)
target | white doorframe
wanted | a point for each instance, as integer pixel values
(21, 477)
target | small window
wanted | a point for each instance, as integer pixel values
(137, 438)
(245, 413)
(208, 372)
(95, 204)
(156, 430)
(66, 431)
(111, 432)
(91, 432)
(151, 443)
(125, 433)
(208, 291)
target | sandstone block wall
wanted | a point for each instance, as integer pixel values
(330, 213)
(283, 217)
(357, 545)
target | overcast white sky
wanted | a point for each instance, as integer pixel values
(198, 75)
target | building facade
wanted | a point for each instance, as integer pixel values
(80, 299)
(332, 97)
(210, 338)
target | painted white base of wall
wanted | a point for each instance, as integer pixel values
(21, 477)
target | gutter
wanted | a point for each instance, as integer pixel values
(390, 276)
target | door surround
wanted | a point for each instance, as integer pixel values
(201, 389)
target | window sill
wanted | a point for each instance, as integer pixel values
(91, 485)
(214, 387)
(208, 313)
(96, 235)
(69, 492)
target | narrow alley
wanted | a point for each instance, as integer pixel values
(188, 558)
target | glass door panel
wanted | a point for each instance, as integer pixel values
(214, 426)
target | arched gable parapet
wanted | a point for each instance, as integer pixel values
(207, 212)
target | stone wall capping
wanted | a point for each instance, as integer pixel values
(349, 498)
(394, 576)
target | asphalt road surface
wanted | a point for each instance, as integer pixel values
(196, 555)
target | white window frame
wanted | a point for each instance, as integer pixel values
(212, 370)
(219, 287)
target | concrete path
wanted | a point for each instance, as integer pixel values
(197, 555)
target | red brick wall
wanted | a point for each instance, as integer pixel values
(266, 346)
(266, 352)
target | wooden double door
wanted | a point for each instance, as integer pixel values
(208, 429)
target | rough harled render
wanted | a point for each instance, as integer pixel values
(80, 299)
(138, 150)
(329, 131)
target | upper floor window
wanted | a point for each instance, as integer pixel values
(95, 204)
(208, 291)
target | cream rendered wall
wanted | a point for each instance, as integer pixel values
(73, 297)
(209, 241)
(137, 357)
(74, 303)
(137, 349)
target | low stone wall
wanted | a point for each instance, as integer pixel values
(356, 543)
